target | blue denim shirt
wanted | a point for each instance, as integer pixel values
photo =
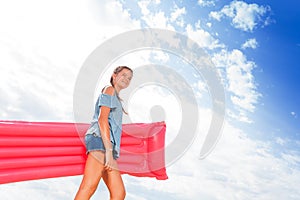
(114, 119)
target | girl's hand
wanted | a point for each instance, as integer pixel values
(109, 160)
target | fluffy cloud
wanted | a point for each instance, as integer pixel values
(177, 16)
(244, 16)
(206, 3)
(157, 19)
(202, 37)
(239, 80)
(42, 53)
(238, 168)
(251, 43)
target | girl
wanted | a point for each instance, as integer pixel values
(103, 140)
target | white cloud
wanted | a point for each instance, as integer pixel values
(241, 116)
(177, 13)
(280, 141)
(161, 56)
(202, 37)
(209, 24)
(294, 114)
(177, 16)
(238, 168)
(200, 88)
(50, 189)
(239, 79)
(144, 7)
(216, 15)
(42, 53)
(206, 3)
(251, 43)
(112, 10)
(292, 158)
(157, 2)
(155, 19)
(244, 16)
(159, 19)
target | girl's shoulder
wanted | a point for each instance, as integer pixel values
(108, 90)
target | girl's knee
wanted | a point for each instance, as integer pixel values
(88, 188)
(120, 195)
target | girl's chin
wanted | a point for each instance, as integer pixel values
(124, 85)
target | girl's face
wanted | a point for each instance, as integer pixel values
(123, 78)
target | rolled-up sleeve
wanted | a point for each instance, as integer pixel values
(107, 100)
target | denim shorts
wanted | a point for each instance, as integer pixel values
(95, 143)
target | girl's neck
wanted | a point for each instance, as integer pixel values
(117, 90)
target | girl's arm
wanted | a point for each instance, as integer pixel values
(105, 130)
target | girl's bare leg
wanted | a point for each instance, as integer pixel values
(93, 172)
(114, 183)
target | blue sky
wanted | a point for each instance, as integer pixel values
(277, 58)
(255, 45)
